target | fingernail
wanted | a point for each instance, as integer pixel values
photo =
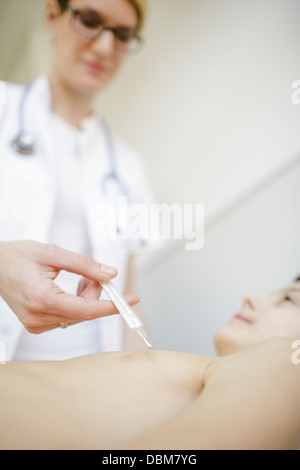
(108, 270)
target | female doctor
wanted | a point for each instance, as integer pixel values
(60, 165)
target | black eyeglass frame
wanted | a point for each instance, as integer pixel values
(103, 27)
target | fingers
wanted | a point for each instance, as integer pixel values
(43, 329)
(83, 283)
(79, 264)
(89, 290)
(38, 303)
(37, 323)
(79, 308)
(45, 305)
(82, 310)
(43, 323)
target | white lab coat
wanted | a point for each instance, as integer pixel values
(27, 195)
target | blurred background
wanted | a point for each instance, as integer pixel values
(207, 103)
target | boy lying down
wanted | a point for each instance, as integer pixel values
(246, 398)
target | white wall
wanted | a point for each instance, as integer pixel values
(18, 20)
(208, 105)
(211, 108)
(253, 249)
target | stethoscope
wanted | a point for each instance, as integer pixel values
(25, 144)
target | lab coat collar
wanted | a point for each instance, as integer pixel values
(42, 92)
(43, 95)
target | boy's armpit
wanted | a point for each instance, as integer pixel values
(250, 401)
(259, 362)
(253, 398)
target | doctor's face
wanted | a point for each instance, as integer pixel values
(261, 318)
(84, 64)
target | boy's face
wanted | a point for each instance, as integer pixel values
(261, 318)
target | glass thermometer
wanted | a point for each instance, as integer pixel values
(125, 310)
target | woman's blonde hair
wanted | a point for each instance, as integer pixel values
(141, 8)
(139, 5)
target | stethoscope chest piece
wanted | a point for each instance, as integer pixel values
(24, 143)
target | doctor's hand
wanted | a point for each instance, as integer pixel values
(27, 274)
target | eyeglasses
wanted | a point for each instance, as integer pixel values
(90, 26)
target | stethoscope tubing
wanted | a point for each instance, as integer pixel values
(28, 149)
